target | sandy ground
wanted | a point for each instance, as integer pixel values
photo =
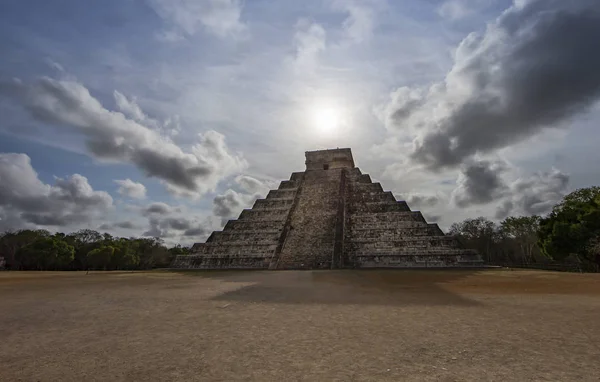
(493, 325)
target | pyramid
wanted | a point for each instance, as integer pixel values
(329, 216)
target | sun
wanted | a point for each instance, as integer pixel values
(326, 119)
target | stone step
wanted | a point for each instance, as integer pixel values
(297, 176)
(241, 236)
(353, 173)
(267, 204)
(369, 197)
(288, 184)
(249, 225)
(364, 178)
(273, 214)
(409, 242)
(287, 193)
(265, 249)
(466, 253)
(367, 187)
(362, 225)
(382, 217)
(377, 207)
(387, 234)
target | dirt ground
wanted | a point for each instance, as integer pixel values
(485, 325)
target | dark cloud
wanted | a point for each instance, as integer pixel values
(112, 135)
(422, 200)
(535, 195)
(177, 227)
(479, 183)
(432, 218)
(227, 204)
(198, 231)
(27, 200)
(230, 203)
(534, 67)
(123, 224)
(504, 209)
(179, 224)
(158, 208)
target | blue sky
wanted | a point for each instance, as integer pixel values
(180, 113)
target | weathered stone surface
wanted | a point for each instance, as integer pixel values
(329, 216)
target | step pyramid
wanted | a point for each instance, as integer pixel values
(329, 216)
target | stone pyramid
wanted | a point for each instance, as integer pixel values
(329, 216)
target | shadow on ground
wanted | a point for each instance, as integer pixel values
(353, 287)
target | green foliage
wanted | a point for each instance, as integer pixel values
(179, 250)
(84, 249)
(523, 230)
(101, 257)
(573, 228)
(46, 253)
(479, 234)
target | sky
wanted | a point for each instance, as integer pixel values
(166, 118)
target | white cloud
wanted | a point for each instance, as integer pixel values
(310, 39)
(174, 224)
(361, 19)
(456, 9)
(129, 107)
(219, 17)
(26, 201)
(229, 204)
(128, 187)
(112, 136)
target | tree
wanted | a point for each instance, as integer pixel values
(100, 258)
(479, 233)
(124, 256)
(12, 242)
(46, 253)
(523, 229)
(573, 228)
(84, 241)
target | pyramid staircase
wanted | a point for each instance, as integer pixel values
(330, 216)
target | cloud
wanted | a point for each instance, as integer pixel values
(535, 195)
(26, 200)
(231, 203)
(128, 187)
(159, 208)
(359, 24)
(479, 183)
(310, 39)
(123, 224)
(222, 18)
(455, 10)
(533, 68)
(129, 107)
(432, 218)
(421, 200)
(112, 136)
(174, 224)
(173, 227)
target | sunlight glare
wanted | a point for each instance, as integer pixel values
(326, 119)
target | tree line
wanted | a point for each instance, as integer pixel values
(83, 250)
(570, 234)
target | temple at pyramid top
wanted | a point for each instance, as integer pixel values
(329, 159)
(329, 216)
